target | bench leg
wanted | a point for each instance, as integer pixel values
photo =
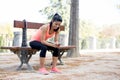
(20, 67)
(28, 65)
(59, 58)
(24, 58)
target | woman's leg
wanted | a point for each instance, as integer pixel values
(43, 48)
(55, 54)
(55, 57)
(42, 56)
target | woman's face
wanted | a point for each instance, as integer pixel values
(56, 24)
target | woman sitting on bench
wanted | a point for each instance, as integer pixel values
(39, 42)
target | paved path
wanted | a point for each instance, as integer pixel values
(89, 66)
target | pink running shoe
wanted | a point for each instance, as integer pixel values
(43, 71)
(55, 70)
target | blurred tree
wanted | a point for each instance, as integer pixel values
(61, 7)
(74, 29)
(6, 29)
(110, 31)
(6, 35)
(87, 29)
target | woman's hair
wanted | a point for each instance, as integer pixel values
(56, 17)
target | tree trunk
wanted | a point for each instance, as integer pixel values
(74, 29)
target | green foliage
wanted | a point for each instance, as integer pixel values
(6, 29)
(1, 39)
(61, 7)
(87, 29)
(1, 42)
(6, 35)
(83, 44)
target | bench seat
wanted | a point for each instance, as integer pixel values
(62, 48)
(15, 49)
(29, 52)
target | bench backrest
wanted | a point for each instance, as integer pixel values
(31, 25)
(28, 25)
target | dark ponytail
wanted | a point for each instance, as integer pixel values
(50, 24)
(56, 17)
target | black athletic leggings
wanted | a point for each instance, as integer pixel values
(39, 46)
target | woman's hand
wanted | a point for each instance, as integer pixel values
(56, 45)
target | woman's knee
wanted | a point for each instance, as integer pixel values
(56, 52)
(35, 45)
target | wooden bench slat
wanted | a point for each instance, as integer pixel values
(29, 48)
(32, 25)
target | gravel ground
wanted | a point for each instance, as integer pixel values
(89, 66)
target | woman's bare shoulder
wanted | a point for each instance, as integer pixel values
(44, 27)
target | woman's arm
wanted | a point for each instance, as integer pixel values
(56, 39)
(43, 41)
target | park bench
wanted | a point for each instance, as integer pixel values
(25, 52)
